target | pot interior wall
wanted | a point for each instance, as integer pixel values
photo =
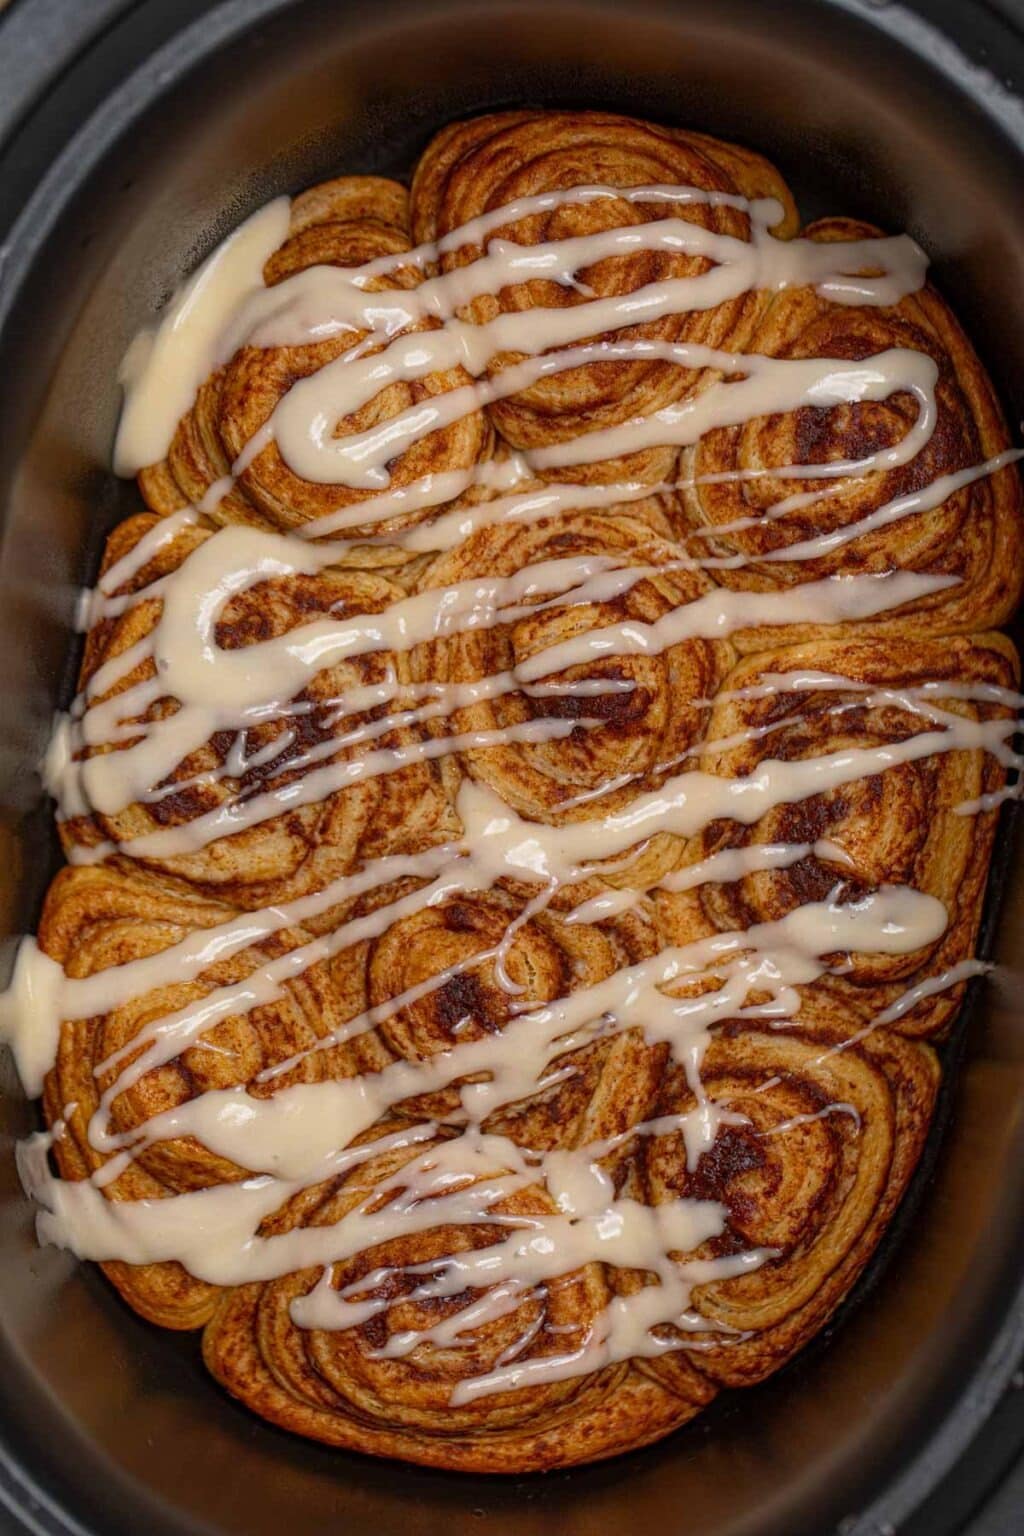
(118, 1417)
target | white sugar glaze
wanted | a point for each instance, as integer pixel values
(164, 368)
(302, 1133)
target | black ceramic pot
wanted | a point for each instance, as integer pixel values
(132, 137)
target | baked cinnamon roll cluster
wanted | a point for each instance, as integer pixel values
(530, 798)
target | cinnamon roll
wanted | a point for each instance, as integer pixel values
(640, 716)
(928, 514)
(461, 970)
(821, 1139)
(287, 851)
(921, 823)
(494, 161)
(345, 223)
(365, 1389)
(104, 1097)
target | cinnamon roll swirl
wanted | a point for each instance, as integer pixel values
(929, 514)
(344, 223)
(298, 848)
(365, 1389)
(105, 1098)
(821, 1139)
(494, 161)
(459, 971)
(920, 823)
(640, 716)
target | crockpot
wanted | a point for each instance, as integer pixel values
(132, 137)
